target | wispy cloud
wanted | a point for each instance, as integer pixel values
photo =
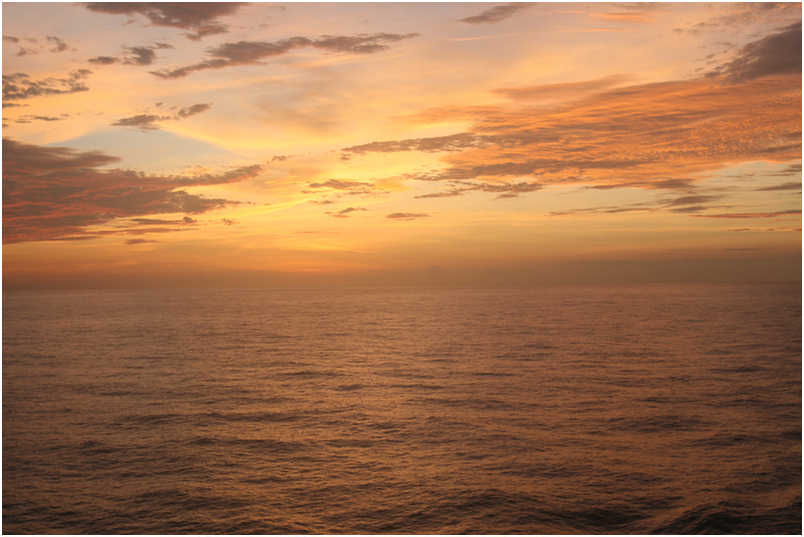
(664, 135)
(140, 55)
(771, 214)
(252, 52)
(406, 216)
(345, 213)
(496, 13)
(150, 121)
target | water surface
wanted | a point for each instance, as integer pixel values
(568, 410)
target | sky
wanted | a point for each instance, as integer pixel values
(469, 144)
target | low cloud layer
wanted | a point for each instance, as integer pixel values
(665, 135)
(252, 52)
(56, 192)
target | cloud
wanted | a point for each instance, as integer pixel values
(344, 213)
(53, 192)
(139, 241)
(142, 121)
(140, 55)
(453, 142)
(338, 184)
(200, 18)
(772, 214)
(689, 200)
(149, 121)
(103, 60)
(447, 194)
(665, 135)
(163, 222)
(738, 15)
(783, 186)
(20, 86)
(496, 13)
(58, 44)
(793, 169)
(28, 118)
(406, 216)
(776, 54)
(670, 184)
(251, 52)
(505, 190)
(193, 110)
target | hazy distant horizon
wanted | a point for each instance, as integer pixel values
(773, 270)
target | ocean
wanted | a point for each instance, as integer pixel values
(622, 409)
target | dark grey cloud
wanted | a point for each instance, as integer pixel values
(496, 13)
(58, 44)
(252, 52)
(103, 60)
(141, 121)
(406, 216)
(200, 18)
(150, 121)
(11, 39)
(139, 241)
(139, 55)
(776, 54)
(193, 110)
(20, 86)
(52, 192)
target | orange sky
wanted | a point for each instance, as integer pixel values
(465, 144)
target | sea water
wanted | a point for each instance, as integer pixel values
(651, 408)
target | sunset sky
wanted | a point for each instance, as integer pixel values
(455, 143)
